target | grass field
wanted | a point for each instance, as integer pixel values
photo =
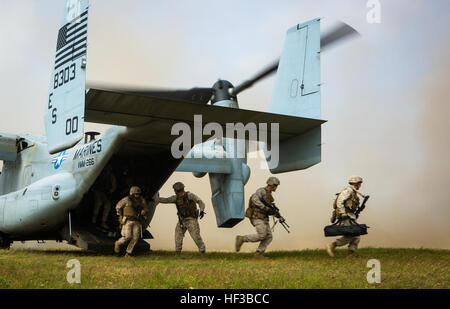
(400, 268)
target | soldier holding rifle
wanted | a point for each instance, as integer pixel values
(259, 210)
(347, 211)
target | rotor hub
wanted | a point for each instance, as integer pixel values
(222, 91)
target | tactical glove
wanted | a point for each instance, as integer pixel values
(202, 213)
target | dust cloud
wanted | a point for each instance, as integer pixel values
(385, 96)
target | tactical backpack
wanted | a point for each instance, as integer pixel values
(334, 213)
(186, 207)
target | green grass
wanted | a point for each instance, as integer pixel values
(400, 268)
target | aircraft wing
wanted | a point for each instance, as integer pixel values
(157, 115)
(8, 146)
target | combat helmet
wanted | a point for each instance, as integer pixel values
(178, 186)
(355, 179)
(135, 190)
(273, 181)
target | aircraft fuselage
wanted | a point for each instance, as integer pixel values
(38, 190)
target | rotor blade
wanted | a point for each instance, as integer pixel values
(342, 31)
(194, 95)
(247, 84)
(339, 32)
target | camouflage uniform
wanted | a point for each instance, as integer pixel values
(187, 210)
(133, 213)
(257, 212)
(106, 184)
(347, 203)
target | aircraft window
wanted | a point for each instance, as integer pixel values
(90, 136)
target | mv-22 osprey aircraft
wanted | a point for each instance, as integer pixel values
(46, 180)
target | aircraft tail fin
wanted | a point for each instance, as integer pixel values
(297, 93)
(64, 115)
(297, 84)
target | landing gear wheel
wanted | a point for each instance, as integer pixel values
(5, 243)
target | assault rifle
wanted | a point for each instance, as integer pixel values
(361, 208)
(179, 217)
(274, 210)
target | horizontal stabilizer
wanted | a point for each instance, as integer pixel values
(300, 152)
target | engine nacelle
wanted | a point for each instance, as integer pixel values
(228, 189)
(198, 174)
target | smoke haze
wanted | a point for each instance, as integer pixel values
(384, 96)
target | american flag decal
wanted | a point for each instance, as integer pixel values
(61, 38)
(72, 41)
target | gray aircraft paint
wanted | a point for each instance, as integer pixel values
(45, 177)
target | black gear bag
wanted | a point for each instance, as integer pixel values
(338, 229)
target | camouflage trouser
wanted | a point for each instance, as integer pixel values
(101, 199)
(352, 241)
(131, 232)
(192, 226)
(264, 234)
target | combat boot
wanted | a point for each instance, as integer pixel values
(116, 248)
(128, 255)
(239, 242)
(351, 254)
(330, 249)
(259, 255)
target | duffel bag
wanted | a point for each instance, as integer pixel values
(338, 229)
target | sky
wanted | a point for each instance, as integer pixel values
(384, 96)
